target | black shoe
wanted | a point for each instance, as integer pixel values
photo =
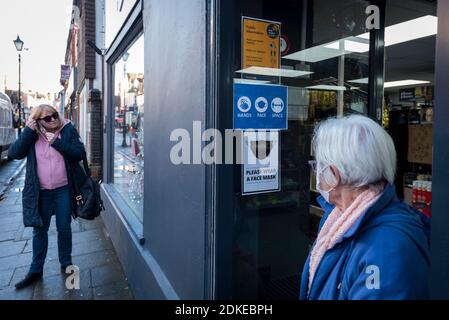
(30, 278)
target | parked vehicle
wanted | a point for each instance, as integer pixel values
(7, 131)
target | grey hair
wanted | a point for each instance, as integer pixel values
(361, 150)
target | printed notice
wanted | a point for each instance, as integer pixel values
(261, 162)
(261, 43)
(260, 107)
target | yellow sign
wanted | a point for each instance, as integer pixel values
(261, 43)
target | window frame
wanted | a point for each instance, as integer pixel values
(131, 30)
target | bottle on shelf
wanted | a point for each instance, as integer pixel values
(429, 194)
(415, 192)
(420, 191)
(425, 192)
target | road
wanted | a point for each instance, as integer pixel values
(7, 170)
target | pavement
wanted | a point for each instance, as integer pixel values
(101, 275)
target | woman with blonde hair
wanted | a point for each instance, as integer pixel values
(52, 147)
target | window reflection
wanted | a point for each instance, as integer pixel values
(326, 69)
(129, 127)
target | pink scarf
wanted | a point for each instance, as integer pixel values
(337, 224)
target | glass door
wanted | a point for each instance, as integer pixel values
(324, 62)
(410, 35)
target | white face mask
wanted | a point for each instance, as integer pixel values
(324, 194)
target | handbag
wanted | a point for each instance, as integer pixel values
(87, 199)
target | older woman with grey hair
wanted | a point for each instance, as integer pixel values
(370, 245)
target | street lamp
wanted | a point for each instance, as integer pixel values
(125, 58)
(134, 109)
(19, 46)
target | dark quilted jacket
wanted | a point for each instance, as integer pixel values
(72, 149)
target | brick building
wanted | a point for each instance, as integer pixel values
(82, 100)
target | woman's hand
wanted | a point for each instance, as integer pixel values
(50, 136)
(32, 124)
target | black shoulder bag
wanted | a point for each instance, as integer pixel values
(88, 203)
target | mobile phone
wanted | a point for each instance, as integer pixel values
(40, 128)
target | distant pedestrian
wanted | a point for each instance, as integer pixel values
(52, 146)
(370, 244)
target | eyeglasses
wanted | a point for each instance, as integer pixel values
(49, 118)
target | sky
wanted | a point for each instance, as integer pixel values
(43, 25)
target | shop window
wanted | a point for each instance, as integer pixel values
(411, 30)
(323, 59)
(128, 108)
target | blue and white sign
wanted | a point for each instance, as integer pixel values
(260, 107)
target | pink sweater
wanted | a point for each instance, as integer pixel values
(51, 169)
